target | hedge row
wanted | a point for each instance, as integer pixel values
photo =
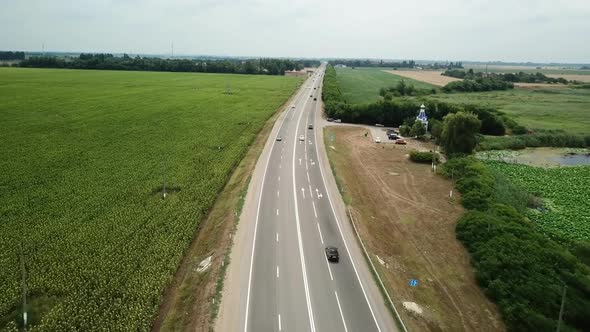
(520, 269)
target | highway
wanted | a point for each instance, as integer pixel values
(279, 278)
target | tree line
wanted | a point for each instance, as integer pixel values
(520, 77)
(394, 112)
(522, 270)
(373, 63)
(105, 61)
(9, 55)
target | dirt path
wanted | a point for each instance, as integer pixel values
(406, 218)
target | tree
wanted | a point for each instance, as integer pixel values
(436, 128)
(417, 129)
(459, 130)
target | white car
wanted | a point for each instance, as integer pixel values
(279, 138)
(338, 121)
(301, 138)
(377, 140)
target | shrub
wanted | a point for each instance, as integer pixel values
(424, 157)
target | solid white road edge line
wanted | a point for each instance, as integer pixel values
(342, 236)
(256, 223)
(320, 231)
(314, 210)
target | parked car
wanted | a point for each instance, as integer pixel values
(337, 120)
(310, 126)
(301, 138)
(330, 119)
(378, 125)
(332, 254)
(393, 136)
(400, 141)
(377, 140)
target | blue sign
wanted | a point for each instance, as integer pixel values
(331, 136)
(413, 282)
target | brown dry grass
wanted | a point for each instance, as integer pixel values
(572, 77)
(429, 76)
(404, 215)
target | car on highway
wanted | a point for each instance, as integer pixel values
(310, 126)
(301, 138)
(377, 140)
(400, 141)
(310, 96)
(314, 99)
(332, 254)
(279, 138)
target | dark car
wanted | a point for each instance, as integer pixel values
(330, 119)
(310, 126)
(332, 254)
(314, 99)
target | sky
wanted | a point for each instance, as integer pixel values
(477, 30)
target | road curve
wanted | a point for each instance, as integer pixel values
(279, 278)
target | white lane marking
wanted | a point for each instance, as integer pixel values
(341, 314)
(329, 269)
(277, 212)
(343, 239)
(299, 161)
(277, 272)
(277, 193)
(308, 180)
(247, 311)
(300, 242)
(314, 211)
(279, 178)
(320, 231)
(303, 192)
(277, 237)
(279, 165)
(279, 322)
(310, 192)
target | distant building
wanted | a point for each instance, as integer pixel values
(340, 66)
(296, 73)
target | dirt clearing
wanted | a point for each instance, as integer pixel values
(429, 76)
(407, 221)
(572, 77)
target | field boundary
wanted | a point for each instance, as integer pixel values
(376, 273)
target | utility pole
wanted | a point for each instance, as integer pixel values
(24, 287)
(562, 305)
(165, 176)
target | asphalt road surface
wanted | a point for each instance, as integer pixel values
(279, 278)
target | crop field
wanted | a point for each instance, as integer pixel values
(433, 77)
(548, 70)
(361, 85)
(86, 159)
(565, 191)
(565, 108)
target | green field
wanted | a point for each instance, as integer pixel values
(361, 85)
(565, 192)
(558, 108)
(85, 157)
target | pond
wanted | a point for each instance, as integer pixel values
(544, 157)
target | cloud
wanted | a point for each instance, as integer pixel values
(524, 30)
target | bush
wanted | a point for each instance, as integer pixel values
(424, 157)
(519, 268)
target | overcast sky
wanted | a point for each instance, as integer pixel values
(504, 30)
